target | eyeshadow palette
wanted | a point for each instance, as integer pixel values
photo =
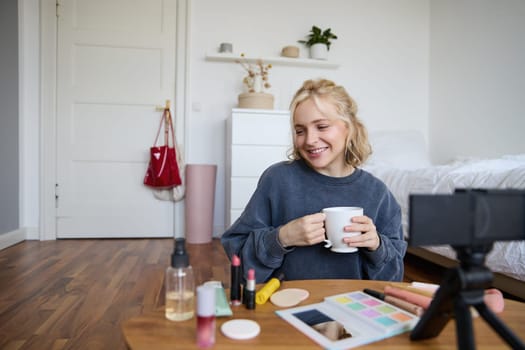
(348, 320)
(389, 318)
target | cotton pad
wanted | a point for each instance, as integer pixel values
(240, 329)
(289, 297)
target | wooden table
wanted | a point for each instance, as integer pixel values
(153, 331)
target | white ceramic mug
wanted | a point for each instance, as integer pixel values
(336, 219)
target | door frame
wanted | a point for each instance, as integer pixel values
(48, 113)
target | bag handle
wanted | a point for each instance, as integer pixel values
(166, 120)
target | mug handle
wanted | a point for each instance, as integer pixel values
(328, 243)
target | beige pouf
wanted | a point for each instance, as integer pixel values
(258, 100)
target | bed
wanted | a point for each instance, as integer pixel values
(400, 160)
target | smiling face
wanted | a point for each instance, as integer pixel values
(320, 137)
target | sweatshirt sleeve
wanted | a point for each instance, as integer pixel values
(253, 238)
(386, 263)
(258, 249)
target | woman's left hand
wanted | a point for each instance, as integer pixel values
(369, 237)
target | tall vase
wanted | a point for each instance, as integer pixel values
(200, 200)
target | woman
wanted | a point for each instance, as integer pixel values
(282, 227)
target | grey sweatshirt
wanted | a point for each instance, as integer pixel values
(289, 190)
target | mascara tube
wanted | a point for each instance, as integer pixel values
(235, 287)
(261, 297)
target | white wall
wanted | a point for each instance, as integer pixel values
(477, 78)
(29, 115)
(383, 50)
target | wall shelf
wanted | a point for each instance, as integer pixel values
(284, 61)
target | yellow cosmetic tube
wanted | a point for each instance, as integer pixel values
(268, 289)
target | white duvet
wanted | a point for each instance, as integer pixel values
(504, 172)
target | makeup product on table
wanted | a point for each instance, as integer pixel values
(240, 329)
(289, 297)
(494, 300)
(205, 316)
(348, 320)
(180, 292)
(420, 291)
(387, 317)
(235, 288)
(411, 297)
(268, 289)
(431, 287)
(493, 297)
(402, 304)
(222, 307)
(249, 290)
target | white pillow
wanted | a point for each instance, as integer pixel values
(398, 149)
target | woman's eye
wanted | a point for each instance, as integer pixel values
(322, 126)
(298, 132)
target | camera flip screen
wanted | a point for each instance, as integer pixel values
(467, 217)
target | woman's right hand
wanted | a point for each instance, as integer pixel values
(303, 231)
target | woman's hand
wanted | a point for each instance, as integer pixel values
(369, 237)
(303, 231)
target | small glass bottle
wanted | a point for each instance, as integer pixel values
(206, 316)
(180, 285)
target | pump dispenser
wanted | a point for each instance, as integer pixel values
(180, 285)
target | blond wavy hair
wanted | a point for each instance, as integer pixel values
(358, 148)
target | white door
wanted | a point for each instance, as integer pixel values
(116, 63)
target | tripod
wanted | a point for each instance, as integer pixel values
(464, 286)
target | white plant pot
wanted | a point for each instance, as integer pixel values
(319, 51)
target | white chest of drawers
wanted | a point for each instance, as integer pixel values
(255, 139)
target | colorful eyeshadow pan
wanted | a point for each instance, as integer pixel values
(344, 300)
(386, 321)
(370, 313)
(359, 296)
(401, 317)
(356, 306)
(371, 302)
(386, 309)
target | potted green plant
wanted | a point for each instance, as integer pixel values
(319, 42)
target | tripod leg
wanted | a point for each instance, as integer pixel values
(464, 330)
(437, 316)
(503, 331)
(440, 310)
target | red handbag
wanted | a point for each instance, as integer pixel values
(163, 169)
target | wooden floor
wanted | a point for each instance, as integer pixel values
(73, 294)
